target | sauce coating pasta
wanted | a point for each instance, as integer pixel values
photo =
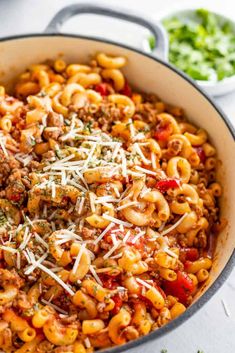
(108, 208)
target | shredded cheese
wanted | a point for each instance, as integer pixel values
(114, 239)
(124, 167)
(116, 150)
(226, 310)
(97, 240)
(87, 342)
(117, 256)
(40, 240)
(131, 203)
(136, 148)
(117, 193)
(146, 171)
(56, 307)
(78, 258)
(144, 283)
(126, 236)
(107, 255)
(35, 264)
(132, 129)
(168, 230)
(117, 221)
(153, 160)
(56, 278)
(139, 235)
(9, 249)
(94, 274)
(2, 144)
(171, 253)
(92, 202)
(26, 238)
(81, 205)
(63, 178)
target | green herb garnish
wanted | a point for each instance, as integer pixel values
(203, 45)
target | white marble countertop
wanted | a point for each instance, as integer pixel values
(209, 330)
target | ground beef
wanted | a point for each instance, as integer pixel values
(7, 164)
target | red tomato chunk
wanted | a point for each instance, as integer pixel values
(118, 303)
(201, 154)
(166, 184)
(163, 133)
(109, 282)
(126, 90)
(102, 89)
(181, 288)
(189, 254)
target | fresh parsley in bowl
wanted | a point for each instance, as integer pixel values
(202, 44)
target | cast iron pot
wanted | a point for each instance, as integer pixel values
(148, 73)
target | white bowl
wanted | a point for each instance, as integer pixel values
(218, 88)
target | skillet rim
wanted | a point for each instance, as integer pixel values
(230, 263)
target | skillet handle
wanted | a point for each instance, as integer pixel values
(161, 49)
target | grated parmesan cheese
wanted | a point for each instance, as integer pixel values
(81, 205)
(87, 342)
(9, 249)
(117, 221)
(107, 255)
(103, 233)
(78, 258)
(94, 274)
(26, 238)
(226, 310)
(139, 235)
(40, 240)
(153, 160)
(136, 148)
(2, 144)
(131, 203)
(92, 202)
(56, 307)
(144, 283)
(35, 263)
(168, 230)
(146, 171)
(124, 169)
(56, 278)
(126, 236)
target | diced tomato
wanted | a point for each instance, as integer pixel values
(102, 89)
(181, 288)
(118, 303)
(166, 184)
(162, 133)
(201, 154)
(189, 254)
(126, 90)
(15, 197)
(109, 281)
(187, 264)
(139, 243)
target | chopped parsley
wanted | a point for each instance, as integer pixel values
(202, 45)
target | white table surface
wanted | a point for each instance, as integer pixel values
(210, 330)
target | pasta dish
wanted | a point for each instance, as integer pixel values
(108, 209)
